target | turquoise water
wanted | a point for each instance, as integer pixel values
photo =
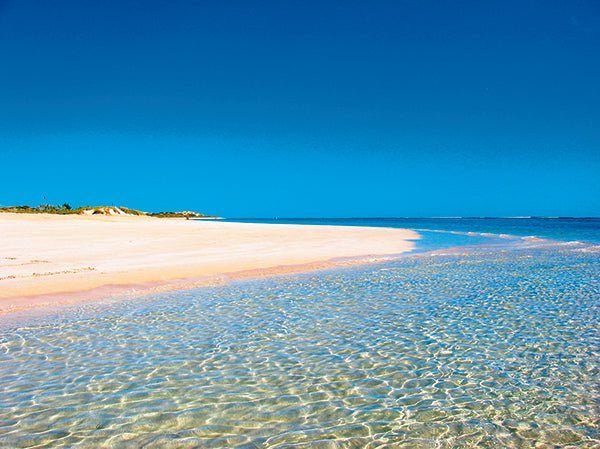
(496, 344)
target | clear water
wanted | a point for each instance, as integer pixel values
(492, 346)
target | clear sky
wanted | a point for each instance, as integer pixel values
(300, 108)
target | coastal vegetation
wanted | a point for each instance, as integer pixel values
(182, 214)
(66, 209)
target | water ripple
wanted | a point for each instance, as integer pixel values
(497, 349)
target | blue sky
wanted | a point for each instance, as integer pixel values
(261, 109)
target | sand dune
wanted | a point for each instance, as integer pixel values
(51, 259)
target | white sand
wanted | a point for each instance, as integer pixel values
(45, 259)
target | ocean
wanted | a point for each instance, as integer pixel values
(486, 335)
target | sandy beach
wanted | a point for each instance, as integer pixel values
(53, 259)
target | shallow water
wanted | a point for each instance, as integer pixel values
(492, 347)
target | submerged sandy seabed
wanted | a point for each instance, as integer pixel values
(53, 259)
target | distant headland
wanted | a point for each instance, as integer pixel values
(66, 209)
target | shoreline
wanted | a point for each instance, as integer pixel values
(50, 260)
(133, 291)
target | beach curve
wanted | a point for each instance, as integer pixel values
(48, 260)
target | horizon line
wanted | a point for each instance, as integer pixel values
(534, 217)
